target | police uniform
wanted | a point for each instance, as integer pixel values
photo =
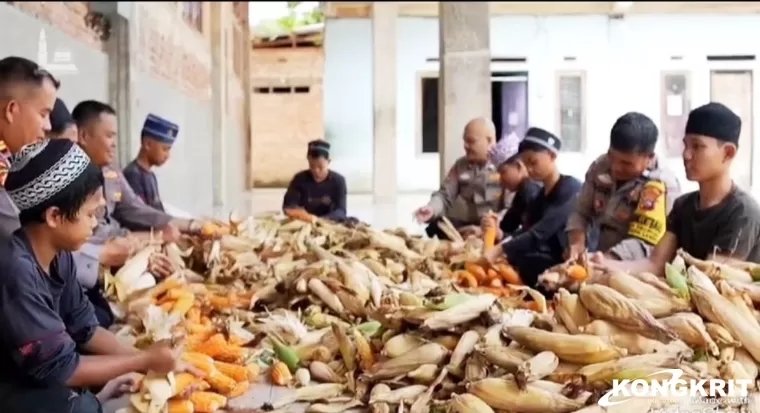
(468, 192)
(631, 217)
(124, 211)
(143, 181)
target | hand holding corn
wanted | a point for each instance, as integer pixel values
(161, 358)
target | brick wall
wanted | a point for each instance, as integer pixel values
(68, 16)
(283, 123)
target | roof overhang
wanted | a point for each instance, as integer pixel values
(613, 9)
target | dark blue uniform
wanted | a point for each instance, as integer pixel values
(144, 183)
(326, 199)
(44, 319)
(517, 214)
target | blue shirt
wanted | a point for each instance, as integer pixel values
(43, 317)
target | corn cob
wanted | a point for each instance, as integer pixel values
(220, 383)
(691, 329)
(363, 351)
(347, 348)
(720, 310)
(183, 304)
(207, 402)
(720, 335)
(468, 403)
(213, 346)
(253, 371)
(240, 389)
(164, 286)
(322, 372)
(634, 343)
(464, 347)
(310, 394)
(431, 353)
(233, 371)
(167, 305)
(504, 394)
(199, 328)
(401, 395)
(579, 348)
(281, 374)
(302, 376)
(193, 315)
(506, 357)
(538, 367)
(199, 361)
(424, 374)
(180, 406)
(460, 314)
(569, 311)
(400, 344)
(185, 381)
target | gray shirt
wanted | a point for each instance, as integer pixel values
(8, 215)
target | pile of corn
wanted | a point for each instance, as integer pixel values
(357, 318)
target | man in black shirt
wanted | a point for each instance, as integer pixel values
(318, 190)
(542, 241)
(514, 178)
(719, 219)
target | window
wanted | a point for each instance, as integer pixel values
(571, 87)
(192, 12)
(280, 90)
(675, 104)
(509, 107)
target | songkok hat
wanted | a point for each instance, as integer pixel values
(319, 147)
(60, 117)
(716, 121)
(542, 138)
(505, 150)
(160, 129)
(43, 169)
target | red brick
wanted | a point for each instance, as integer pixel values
(69, 17)
(282, 124)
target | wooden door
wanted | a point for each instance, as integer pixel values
(733, 88)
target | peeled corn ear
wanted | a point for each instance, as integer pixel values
(504, 394)
(578, 348)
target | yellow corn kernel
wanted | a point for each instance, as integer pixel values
(363, 350)
(165, 286)
(234, 371)
(220, 383)
(167, 306)
(231, 354)
(207, 402)
(213, 346)
(176, 293)
(206, 321)
(200, 361)
(183, 304)
(240, 389)
(220, 302)
(194, 315)
(185, 381)
(281, 374)
(198, 328)
(237, 341)
(254, 370)
(180, 406)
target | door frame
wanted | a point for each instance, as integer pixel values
(738, 69)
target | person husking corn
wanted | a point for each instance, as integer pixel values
(317, 191)
(156, 142)
(46, 319)
(112, 242)
(627, 194)
(719, 220)
(542, 241)
(470, 189)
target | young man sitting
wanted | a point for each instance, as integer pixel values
(719, 219)
(47, 321)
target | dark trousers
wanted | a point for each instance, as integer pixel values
(531, 265)
(100, 304)
(58, 399)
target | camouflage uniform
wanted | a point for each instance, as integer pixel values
(615, 209)
(468, 192)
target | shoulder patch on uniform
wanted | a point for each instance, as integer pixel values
(117, 196)
(650, 217)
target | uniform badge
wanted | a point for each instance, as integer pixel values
(649, 196)
(117, 196)
(110, 174)
(604, 180)
(464, 176)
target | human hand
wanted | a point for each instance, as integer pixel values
(161, 357)
(423, 215)
(116, 251)
(470, 231)
(160, 265)
(171, 233)
(574, 252)
(126, 383)
(494, 255)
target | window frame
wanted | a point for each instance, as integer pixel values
(584, 106)
(421, 76)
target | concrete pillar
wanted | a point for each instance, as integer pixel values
(121, 49)
(464, 87)
(384, 159)
(218, 27)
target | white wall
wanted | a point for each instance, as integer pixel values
(623, 60)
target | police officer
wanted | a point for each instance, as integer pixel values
(157, 138)
(112, 242)
(627, 194)
(471, 188)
